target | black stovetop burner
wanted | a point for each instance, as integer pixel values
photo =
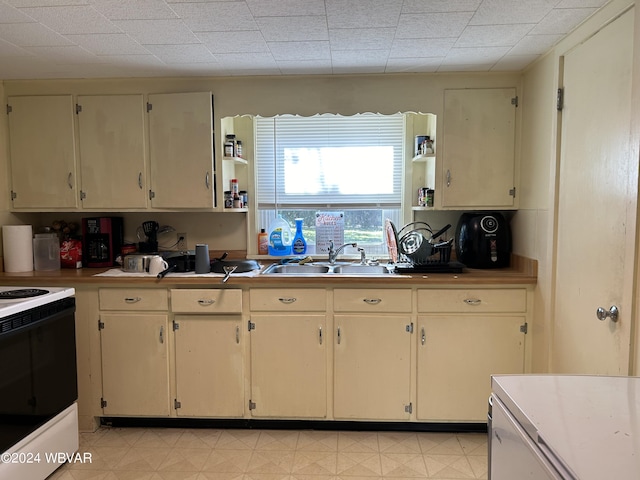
(22, 293)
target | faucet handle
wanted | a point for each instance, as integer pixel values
(363, 256)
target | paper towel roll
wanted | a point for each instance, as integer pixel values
(17, 245)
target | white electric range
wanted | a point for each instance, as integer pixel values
(38, 392)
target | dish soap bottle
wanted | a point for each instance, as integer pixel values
(263, 242)
(279, 237)
(299, 245)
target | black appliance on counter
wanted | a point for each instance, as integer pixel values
(102, 239)
(483, 240)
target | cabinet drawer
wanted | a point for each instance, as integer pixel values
(133, 299)
(206, 301)
(371, 300)
(473, 300)
(290, 299)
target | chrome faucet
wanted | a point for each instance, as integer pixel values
(333, 254)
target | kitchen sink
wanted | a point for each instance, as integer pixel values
(325, 268)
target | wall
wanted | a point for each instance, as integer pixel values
(533, 224)
(304, 95)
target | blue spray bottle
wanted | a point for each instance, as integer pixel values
(299, 245)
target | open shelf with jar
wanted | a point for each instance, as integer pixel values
(237, 149)
(421, 139)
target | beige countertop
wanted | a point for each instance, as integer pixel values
(523, 271)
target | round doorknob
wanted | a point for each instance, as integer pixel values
(612, 313)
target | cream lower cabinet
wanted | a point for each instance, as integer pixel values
(466, 336)
(134, 351)
(208, 352)
(372, 354)
(287, 331)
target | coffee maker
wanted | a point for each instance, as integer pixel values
(102, 239)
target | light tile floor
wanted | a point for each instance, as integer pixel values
(230, 454)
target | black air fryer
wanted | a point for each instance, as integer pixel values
(483, 240)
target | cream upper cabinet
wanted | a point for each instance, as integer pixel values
(478, 151)
(181, 151)
(467, 336)
(42, 152)
(112, 151)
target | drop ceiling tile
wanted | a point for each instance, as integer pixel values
(286, 29)
(9, 14)
(439, 6)
(361, 38)
(363, 13)
(283, 8)
(581, 3)
(466, 67)
(562, 21)
(157, 32)
(109, 44)
(138, 10)
(501, 12)
(8, 49)
(215, 17)
(234, 42)
(535, 44)
(513, 63)
(493, 35)
(433, 25)
(364, 61)
(45, 3)
(469, 56)
(400, 65)
(246, 61)
(66, 54)
(300, 50)
(68, 19)
(31, 35)
(425, 47)
(171, 54)
(305, 67)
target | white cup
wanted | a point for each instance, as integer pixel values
(157, 265)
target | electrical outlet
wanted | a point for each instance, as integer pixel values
(182, 241)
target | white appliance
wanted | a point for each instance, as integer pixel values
(38, 384)
(564, 427)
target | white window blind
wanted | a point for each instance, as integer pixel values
(329, 161)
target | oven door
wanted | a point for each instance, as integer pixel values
(37, 368)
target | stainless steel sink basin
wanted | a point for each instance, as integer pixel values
(322, 269)
(294, 269)
(361, 269)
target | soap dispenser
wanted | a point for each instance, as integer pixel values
(299, 245)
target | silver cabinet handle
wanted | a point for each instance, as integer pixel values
(288, 300)
(612, 313)
(132, 299)
(423, 336)
(70, 180)
(320, 335)
(372, 301)
(237, 333)
(206, 302)
(339, 336)
(206, 180)
(140, 180)
(472, 301)
(161, 334)
(448, 178)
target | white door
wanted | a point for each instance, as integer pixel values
(596, 206)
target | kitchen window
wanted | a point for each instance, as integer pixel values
(331, 163)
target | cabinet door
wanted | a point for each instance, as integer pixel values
(42, 149)
(135, 364)
(181, 150)
(479, 148)
(112, 151)
(457, 355)
(209, 367)
(288, 366)
(372, 367)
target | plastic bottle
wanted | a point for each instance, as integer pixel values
(279, 237)
(263, 242)
(299, 245)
